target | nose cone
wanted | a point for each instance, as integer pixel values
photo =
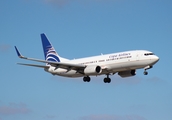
(155, 59)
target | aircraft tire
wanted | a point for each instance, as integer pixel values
(145, 73)
(86, 79)
(107, 80)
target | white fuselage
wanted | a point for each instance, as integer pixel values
(110, 63)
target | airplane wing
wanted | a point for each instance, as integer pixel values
(68, 66)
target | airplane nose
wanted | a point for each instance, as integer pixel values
(156, 58)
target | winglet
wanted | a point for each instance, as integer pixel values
(18, 53)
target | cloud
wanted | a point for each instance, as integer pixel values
(14, 108)
(113, 117)
(100, 117)
(4, 48)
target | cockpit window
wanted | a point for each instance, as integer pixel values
(146, 54)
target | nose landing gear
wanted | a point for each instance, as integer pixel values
(145, 72)
(146, 68)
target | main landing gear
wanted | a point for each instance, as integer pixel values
(86, 79)
(146, 68)
(107, 79)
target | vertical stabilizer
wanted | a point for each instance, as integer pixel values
(49, 51)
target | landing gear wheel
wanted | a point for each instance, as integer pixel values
(107, 80)
(86, 79)
(145, 73)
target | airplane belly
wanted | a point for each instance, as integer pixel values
(71, 73)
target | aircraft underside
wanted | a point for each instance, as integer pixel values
(123, 72)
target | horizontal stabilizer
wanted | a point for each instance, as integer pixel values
(33, 65)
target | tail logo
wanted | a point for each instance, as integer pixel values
(52, 55)
(49, 51)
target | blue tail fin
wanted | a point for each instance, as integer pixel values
(49, 51)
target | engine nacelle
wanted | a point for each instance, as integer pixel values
(92, 70)
(127, 73)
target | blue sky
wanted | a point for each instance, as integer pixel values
(80, 29)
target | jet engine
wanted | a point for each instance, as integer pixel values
(127, 73)
(92, 70)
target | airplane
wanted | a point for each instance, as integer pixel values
(124, 63)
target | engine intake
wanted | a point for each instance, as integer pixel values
(127, 73)
(92, 70)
